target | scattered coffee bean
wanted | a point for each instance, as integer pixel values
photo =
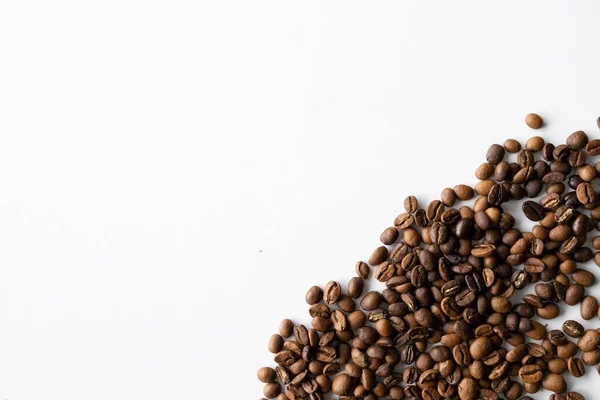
(450, 271)
(534, 121)
(314, 295)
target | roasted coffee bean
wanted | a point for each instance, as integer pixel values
(534, 121)
(593, 147)
(378, 256)
(589, 307)
(533, 210)
(448, 283)
(576, 367)
(589, 340)
(355, 287)
(362, 269)
(314, 295)
(332, 291)
(574, 396)
(389, 236)
(554, 383)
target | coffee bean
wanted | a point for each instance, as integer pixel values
(586, 193)
(379, 255)
(341, 384)
(583, 277)
(362, 269)
(577, 140)
(275, 343)
(533, 211)
(534, 121)
(271, 390)
(512, 145)
(371, 301)
(411, 204)
(468, 389)
(266, 374)
(434, 211)
(576, 367)
(574, 396)
(448, 197)
(554, 383)
(593, 147)
(314, 295)
(589, 307)
(534, 143)
(355, 287)
(591, 357)
(332, 291)
(589, 340)
(495, 154)
(286, 328)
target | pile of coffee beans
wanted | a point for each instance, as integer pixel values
(445, 326)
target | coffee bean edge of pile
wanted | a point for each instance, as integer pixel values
(445, 315)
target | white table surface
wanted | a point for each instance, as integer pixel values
(175, 175)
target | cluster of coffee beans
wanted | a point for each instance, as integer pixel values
(445, 326)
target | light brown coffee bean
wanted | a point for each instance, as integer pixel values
(512, 145)
(534, 121)
(332, 292)
(411, 204)
(589, 307)
(555, 383)
(275, 343)
(286, 328)
(589, 340)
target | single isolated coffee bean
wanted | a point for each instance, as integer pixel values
(534, 121)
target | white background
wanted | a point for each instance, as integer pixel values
(174, 175)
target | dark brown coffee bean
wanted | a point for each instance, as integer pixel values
(533, 211)
(420, 218)
(557, 337)
(495, 154)
(574, 396)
